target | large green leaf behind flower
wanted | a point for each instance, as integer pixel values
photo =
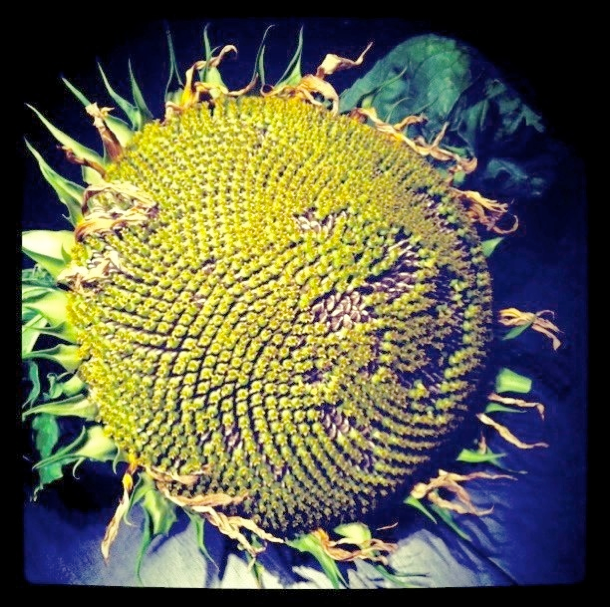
(449, 81)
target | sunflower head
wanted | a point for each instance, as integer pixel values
(278, 305)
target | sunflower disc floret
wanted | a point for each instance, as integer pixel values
(281, 306)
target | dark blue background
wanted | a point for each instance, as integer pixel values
(536, 534)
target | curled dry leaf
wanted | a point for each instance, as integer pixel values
(506, 434)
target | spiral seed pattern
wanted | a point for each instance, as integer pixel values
(303, 319)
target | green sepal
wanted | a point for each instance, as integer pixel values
(199, 524)
(119, 127)
(159, 514)
(49, 248)
(63, 330)
(51, 303)
(138, 99)
(30, 331)
(498, 408)
(68, 192)
(33, 377)
(66, 356)
(71, 387)
(91, 444)
(415, 503)
(357, 533)
(516, 331)
(210, 75)
(254, 563)
(75, 406)
(446, 517)
(80, 151)
(259, 62)
(509, 381)
(489, 246)
(46, 430)
(471, 456)
(37, 277)
(174, 86)
(310, 543)
(91, 176)
(131, 111)
(395, 577)
(292, 76)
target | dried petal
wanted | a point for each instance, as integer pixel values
(450, 481)
(368, 549)
(113, 527)
(109, 139)
(334, 63)
(517, 402)
(506, 434)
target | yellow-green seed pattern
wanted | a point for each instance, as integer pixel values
(302, 320)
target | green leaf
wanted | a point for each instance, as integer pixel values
(66, 356)
(447, 518)
(46, 432)
(451, 82)
(174, 84)
(49, 248)
(292, 75)
(259, 62)
(509, 381)
(498, 408)
(358, 533)
(138, 99)
(415, 503)
(75, 406)
(68, 192)
(489, 246)
(474, 457)
(516, 331)
(79, 150)
(310, 543)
